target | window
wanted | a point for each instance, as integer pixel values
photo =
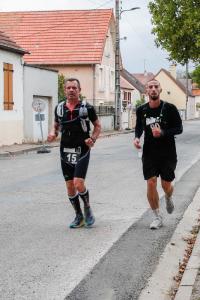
(8, 86)
(125, 95)
(112, 81)
(101, 79)
(129, 97)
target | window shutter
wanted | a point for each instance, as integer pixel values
(8, 86)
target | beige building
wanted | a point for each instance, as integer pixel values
(174, 91)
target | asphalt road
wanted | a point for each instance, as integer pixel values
(41, 258)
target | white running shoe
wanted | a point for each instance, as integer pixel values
(169, 204)
(157, 223)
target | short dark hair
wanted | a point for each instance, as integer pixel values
(152, 79)
(72, 79)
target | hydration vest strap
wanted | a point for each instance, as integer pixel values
(60, 109)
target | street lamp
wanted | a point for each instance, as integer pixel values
(187, 92)
(130, 9)
(118, 13)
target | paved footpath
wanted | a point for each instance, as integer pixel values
(189, 288)
(16, 149)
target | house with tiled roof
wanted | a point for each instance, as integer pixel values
(77, 43)
(131, 91)
(143, 78)
(138, 87)
(174, 91)
(11, 91)
(196, 94)
(20, 84)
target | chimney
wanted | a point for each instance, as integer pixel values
(172, 70)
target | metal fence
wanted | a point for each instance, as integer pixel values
(105, 110)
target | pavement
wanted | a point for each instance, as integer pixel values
(189, 286)
(16, 149)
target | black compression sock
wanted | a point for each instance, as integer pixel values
(76, 204)
(85, 197)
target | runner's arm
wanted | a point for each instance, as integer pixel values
(139, 125)
(53, 133)
(175, 123)
(95, 133)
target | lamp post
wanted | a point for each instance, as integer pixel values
(187, 92)
(118, 13)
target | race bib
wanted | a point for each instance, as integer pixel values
(71, 155)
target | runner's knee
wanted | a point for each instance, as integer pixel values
(70, 188)
(79, 184)
(152, 182)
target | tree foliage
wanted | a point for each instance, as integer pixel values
(61, 94)
(139, 102)
(196, 76)
(176, 26)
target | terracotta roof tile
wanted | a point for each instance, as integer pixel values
(144, 77)
(196, 92)
(54, 37)
(7, 43)
(133, 80)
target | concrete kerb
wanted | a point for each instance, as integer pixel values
(161, 283)
(17, 149)
(188, 280)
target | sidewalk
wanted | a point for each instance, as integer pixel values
(177, 274)
(16, 149)
(189, 288)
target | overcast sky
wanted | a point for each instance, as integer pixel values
(138, 50)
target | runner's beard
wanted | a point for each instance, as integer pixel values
(154, 97)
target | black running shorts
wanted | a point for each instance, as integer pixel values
(159, 167)
(74, 162)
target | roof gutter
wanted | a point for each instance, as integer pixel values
(15, 50)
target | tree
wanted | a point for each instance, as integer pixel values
(61, 94)
(196, 76)
(139, 102)
(176, 25)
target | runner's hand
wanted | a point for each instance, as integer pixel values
(156, 131)
(89, 142)
(136, 143)
(51, 137)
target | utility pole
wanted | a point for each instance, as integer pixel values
(118, 115)
(117, 69)
(187, 92)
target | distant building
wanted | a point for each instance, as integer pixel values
(143, 78)
(174, 91)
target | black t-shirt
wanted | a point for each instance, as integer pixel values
(169, 120)
(74, 129)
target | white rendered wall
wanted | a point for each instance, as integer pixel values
(11, 121)
(42, 84)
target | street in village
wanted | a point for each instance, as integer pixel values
(41, 258)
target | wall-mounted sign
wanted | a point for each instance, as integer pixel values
(38, 105)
